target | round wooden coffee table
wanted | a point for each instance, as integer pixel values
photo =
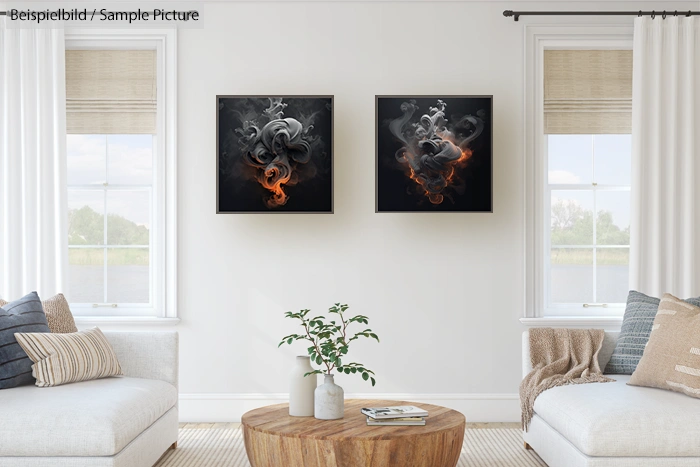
(274, 439)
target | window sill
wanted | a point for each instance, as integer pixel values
(609, 323)
(84, 321)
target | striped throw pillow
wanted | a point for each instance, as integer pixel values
(23, 315)
(671, 359)
(68, 358)
(58, 313)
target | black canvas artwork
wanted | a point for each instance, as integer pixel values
(434, 154)
(274, 154)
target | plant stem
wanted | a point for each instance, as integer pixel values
(338, 354)
(318, 351)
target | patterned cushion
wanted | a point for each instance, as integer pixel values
(671, 359)
(634, 335)
(23, 315)
(57, 312)
(67, 358)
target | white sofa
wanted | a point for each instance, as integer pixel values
(127, 421)
(613, 424)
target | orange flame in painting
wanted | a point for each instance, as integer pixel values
(274, 178)
(271, 181)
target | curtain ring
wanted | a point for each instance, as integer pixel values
(640, 14)
(664, 15)
(688, 15)
(653, 14)
(675, 13)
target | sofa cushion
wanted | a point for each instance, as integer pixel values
(58, 314)
(636, 327)
(69, 357)
(672, 357)
(90, 418)
(23, 315)
(614, 419)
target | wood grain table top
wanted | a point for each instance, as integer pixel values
(275, 419)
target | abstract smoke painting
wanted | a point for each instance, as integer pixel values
(274, 154)
(434, 154)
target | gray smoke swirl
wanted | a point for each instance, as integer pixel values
(431, 150)
(275, 150)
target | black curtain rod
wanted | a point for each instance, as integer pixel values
(517, 14)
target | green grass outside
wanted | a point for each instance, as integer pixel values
(581, 256)
(115, 256)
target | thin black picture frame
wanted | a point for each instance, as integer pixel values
(376, 147)
(260, 96)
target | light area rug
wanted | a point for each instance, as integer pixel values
(219, 447)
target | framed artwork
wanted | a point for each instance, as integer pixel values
(274, 154)
(434, 154)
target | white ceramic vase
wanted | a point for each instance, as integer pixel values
(329, 401)
(301, 389)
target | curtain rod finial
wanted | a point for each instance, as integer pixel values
(509, 13)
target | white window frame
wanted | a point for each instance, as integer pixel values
(539, 38)
(163, 247)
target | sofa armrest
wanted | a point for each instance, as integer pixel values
(150, 355)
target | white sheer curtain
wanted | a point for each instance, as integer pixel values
(665, 229)
(33, 219)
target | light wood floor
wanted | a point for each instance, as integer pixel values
(204, 426)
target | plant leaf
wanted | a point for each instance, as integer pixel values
(365, 376)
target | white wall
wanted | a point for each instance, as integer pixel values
(443, 291)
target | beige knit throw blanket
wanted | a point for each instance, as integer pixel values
(560, 357)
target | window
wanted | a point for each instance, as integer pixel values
(121, 173)
(587, 147)
(577, 174)
(588, 200)
(110, 219)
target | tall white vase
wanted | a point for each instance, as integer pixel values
(301, 389)
(330, 400)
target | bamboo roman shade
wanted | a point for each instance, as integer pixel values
(111, 91)
(587, 91)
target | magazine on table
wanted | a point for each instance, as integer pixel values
(400, 411)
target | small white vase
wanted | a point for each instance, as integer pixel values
(301, 389)
(329, 401)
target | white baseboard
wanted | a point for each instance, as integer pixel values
(229, 407)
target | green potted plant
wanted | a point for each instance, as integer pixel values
(330, 341)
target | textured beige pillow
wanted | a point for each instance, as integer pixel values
(671, 359)
(68, 358)
(57, 312)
